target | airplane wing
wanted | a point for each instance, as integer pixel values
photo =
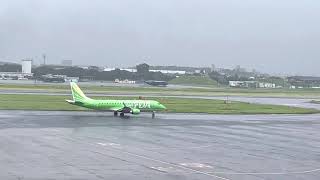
(124, 108)
(117, 108)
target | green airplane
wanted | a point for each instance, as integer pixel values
(116, 106)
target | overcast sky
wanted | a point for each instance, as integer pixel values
(279, 36)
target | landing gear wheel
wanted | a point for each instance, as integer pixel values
(115, 113)
(122, 114)
(153, 115)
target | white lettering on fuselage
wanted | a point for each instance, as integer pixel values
(140, 105)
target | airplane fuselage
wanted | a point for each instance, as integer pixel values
(111, 105)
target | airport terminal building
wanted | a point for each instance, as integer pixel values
(26, 66)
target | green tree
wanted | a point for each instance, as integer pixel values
(142, 68)
(10, 68)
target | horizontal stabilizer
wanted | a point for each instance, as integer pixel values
(70, 101)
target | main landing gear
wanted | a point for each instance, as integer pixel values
(115, 114)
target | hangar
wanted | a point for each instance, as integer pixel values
(304, 81)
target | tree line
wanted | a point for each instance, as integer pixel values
(94, 74)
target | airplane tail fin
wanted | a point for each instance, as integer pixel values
(77, 94)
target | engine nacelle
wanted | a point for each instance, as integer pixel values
(135, 111)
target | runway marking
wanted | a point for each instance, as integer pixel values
(102, 144)
(199, 165)
(159, 148)
(167, 163)
(194, 147)
(162, 169)
(196, 165)
(269, 173)
(187, 166)
(110, 144)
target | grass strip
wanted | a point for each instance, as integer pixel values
(174, 105)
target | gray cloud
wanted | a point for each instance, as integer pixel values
(280, 36)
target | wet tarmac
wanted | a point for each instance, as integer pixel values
(90, 145)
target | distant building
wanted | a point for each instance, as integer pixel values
(109, 69)
(122, 69)
(197, 71)
(243, 84)
(168, 71)
(86, 78)
(72, 79)
(25, 73)
(251, 84)
(53, 78)
(15, 75)
(213, 67)
(126, 81)
(58, 78)
(26, 66)
(266, 85)
(304, 81)
(66, 62)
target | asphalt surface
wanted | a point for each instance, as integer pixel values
(295, 102)
(89, 145)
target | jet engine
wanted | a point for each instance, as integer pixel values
(135, 111)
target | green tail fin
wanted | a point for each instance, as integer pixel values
(77, 94)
